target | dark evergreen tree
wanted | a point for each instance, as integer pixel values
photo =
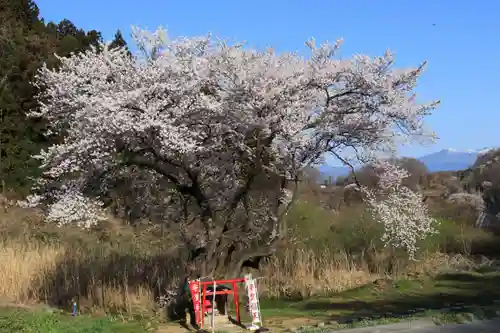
(26, 42)
(119, 41)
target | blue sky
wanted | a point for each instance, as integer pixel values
(460, 39)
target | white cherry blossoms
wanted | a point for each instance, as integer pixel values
(401, 210)
(201, 119)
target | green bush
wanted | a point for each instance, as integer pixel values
(352, 230)
(309, 225)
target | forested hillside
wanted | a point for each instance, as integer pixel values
(26, 43)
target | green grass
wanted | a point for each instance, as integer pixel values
(460, 294)
(15, 320)
(436, 317)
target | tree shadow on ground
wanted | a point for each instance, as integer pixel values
(489, 246)
(457, 292)
(112, 282)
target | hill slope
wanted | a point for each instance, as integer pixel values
(444, 160)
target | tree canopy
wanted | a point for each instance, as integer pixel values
(210, 137)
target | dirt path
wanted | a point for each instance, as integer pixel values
(276, 324)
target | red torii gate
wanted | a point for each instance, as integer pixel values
(200, 304)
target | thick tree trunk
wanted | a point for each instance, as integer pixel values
(224, 255)
(251, 259)
(229, 263)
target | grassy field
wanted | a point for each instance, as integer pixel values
(334, 270)
(396, 298)
(451, 297)
(26, 321)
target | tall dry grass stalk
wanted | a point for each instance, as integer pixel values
(36, 272)
(57, 274)
(301, 273)
(24, 267)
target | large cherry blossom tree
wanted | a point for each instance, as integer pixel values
(211, 137)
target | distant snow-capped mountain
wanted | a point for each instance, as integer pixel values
(445, 160)
(477, 151)
(452, 159)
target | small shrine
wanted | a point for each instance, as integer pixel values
(210, 303)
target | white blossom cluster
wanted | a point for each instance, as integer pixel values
(474, 200)
(286, 196)
(202, 115)
(69, 206)
(77, 209)
(402, 211)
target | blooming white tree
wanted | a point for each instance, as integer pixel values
(211, 137)
(400, 209)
